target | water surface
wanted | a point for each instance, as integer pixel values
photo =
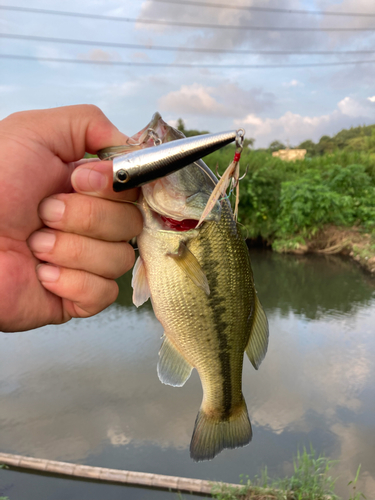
(88, 391)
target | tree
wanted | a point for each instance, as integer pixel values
(326, 145)
(275, 146)
(310, 147)
(248, 143)
(188, 133)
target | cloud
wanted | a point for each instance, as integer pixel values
(292, 83)
(234, 38)
(351, 107)
(297, 128)
(191, 99)
(225, 100)
(356, 22)
(100, 55)
(371, 99)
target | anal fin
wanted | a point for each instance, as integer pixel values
(173, 369)
(258, 342)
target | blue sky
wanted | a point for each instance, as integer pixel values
(288, 104)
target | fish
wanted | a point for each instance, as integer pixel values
(201, 286)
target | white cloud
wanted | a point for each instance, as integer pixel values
(100, 55)
(292, 83)
(371, 99)
(297, 128)
(225, 100)
(190, 99)
(351, 107)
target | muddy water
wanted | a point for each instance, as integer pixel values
(88, 392)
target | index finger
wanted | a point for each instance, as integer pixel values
(96, 179)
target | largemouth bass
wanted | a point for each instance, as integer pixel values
(202, 290)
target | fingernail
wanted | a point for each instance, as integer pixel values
(41, 241)
(46, 272)
(88, 180)
(51, 210)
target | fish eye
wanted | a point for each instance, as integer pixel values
(122, 176)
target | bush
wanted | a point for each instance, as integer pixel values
(295, 199)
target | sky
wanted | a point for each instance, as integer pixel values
(290, 104)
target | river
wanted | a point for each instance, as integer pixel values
(88, 391)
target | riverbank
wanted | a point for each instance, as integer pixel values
(333, 240)
(324, 204)
(311, 480)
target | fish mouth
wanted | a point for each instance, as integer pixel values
(177, 225)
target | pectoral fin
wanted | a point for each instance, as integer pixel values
(173, 369)
(189, 264)
(141, 290)
(258, 342)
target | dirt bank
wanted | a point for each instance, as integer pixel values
(339, 240)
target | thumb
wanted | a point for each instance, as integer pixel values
(70, 131)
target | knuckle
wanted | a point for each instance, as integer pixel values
(92, 109)
(76, 249)
(138, 221)
(83, 284)
(89, 216)
(130, 257)
(122, 260)
(112, 291)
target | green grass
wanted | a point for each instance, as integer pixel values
(311, 480)
(2, 466)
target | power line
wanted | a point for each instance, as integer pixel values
(178, 65)
(175, 49)
(269, 9)
(175, 23)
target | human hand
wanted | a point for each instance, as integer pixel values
(63, 231)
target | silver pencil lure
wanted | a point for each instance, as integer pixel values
(146, 165)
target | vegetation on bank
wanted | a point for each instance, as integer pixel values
(311, 480)
(290, 205)
(324, 203)
(1, 497)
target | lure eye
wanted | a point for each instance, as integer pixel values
(122, 176)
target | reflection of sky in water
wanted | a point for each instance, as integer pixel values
(88, 391)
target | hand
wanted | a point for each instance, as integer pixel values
(63, 231)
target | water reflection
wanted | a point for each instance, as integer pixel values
(310, 285)
(88, 391)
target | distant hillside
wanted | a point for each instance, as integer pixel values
(353, 139)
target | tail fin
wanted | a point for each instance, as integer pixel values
(212, 435)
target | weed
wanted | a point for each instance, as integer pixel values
(356, 495)
(311, 480)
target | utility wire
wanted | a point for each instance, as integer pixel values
(178, 65)
(174, 23)
(269, 9)
(176, 49)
